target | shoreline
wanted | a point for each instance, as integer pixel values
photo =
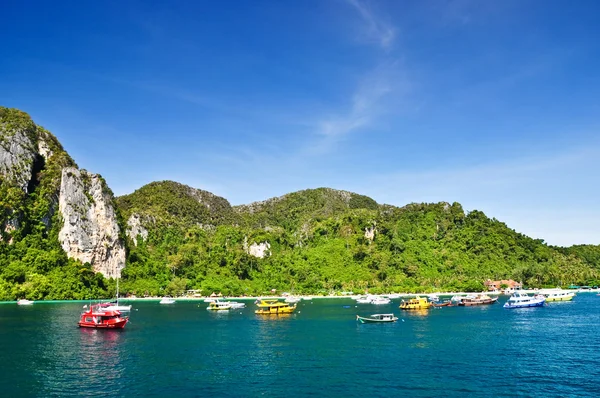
(308, 297)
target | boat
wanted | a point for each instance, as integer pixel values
(417, 303)
(559, 296)
(522, 300)
(380, 300)
(235, 305)
(479, 299)
(364, 300)
(219, 306)
(115, 306)
(377, 318)
(446, 303)
(167, 300)
(292, 299)
(24, 302)
(274, 307)
(96, 316)
(433, 297)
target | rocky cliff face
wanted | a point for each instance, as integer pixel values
(17, 148)
(90, 232)
(32, 160)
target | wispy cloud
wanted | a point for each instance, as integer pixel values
(375, 28)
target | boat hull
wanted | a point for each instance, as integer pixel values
(371, 320)
(524, 305)
(113, 325)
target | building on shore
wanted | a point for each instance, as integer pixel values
(502, 284)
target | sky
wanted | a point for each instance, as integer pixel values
(492, 104)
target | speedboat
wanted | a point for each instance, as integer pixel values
(97, 317)
(292, 299)
(377, 318)
(364, 300)
(380, 300)
(522, 300)
(167, 300)
(219, 306)
(235, 305)
(24, 302)
(115, 306)
(434, 298)
(274, 307)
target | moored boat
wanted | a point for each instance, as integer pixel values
(167, 300)
(274, 307)
(417, 303)
(292, 299)
(522, 300)
(559, 296)
(219, 306)
(377, 318)
(97, 317)
(236, 305)
(479, 299)
(24, 302)
(380, 300)
(446, 303)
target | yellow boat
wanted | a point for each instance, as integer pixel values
(559, 296)
(417, 303)
(274, 307)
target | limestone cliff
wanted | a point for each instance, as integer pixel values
(36, 173)
(90, 232)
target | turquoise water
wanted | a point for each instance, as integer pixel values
(184, 350)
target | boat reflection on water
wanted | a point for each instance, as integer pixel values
(417, 313)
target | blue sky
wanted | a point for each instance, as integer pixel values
(494, 104)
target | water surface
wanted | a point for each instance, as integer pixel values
(184, 350)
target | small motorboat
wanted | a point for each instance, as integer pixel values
(377, 318)
(522, 300)
(24, 302)
(380, 300)
(97, 317)
(219, 306)
(292, 299)
(236, 305)
(478, 299)
(167, 300)
(446, 303)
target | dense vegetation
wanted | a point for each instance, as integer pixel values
(318, 244)
(320, 240)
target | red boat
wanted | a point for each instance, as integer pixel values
(100, 318)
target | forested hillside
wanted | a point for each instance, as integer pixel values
(325, 240)
(177, 237)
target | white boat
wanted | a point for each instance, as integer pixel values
(236, 305)
(376, 318)
(292, 299)
(167, 300)
(116, 306)
(393, 295)
(433, 297)
(219, 306)
(24, 302)
(364, 300)
(380, 300)
(522, 300)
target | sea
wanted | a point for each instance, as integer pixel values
(183, 350)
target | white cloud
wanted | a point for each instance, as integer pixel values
(375, 28)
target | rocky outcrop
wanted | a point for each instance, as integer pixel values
(135, 228)
(90, 232)
(17, 149)
(258, 250)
